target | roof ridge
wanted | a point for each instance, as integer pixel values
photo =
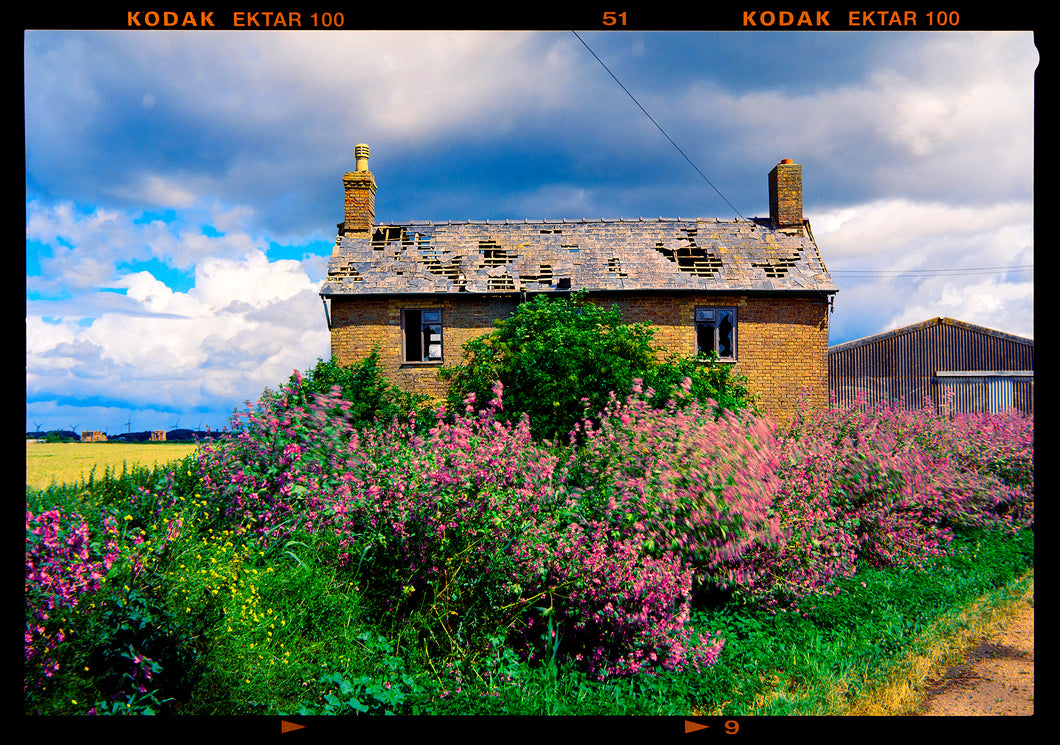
(561, 220)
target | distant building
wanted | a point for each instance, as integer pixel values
(756, 292)
(976, 369)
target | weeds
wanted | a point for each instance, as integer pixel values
(665, 561)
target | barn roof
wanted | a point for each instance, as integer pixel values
(559, 255)
(913, 328)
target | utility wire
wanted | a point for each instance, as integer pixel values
(657, 125)
(849, 272)
(931, 272)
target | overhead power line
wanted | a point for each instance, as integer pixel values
(931, 272)
(840, 273)
(650, 118)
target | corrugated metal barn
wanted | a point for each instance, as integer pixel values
(975, 369)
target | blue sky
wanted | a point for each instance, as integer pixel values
(182, 189)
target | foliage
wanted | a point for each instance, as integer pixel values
(457, 564)
(443, 531)
(370, 398)
(680, 479)
(560, 358)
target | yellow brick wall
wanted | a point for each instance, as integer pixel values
(781, 341)
(358, 324)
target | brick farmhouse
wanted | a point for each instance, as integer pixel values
(755, 291)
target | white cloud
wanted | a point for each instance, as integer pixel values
(951, 253)
(957, 119)
(1006, 307)
(903, 234)
(253, 280)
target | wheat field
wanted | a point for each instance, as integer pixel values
(72, 462)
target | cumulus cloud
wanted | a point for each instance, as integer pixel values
(163, 168)
(246, 322)
(908, 261)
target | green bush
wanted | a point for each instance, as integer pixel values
(370, 396)
(560, 359)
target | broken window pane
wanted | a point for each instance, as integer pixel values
(725, 334)
(704, 338)
(716, 332)
(422, 335)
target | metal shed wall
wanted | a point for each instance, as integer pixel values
(904, 365)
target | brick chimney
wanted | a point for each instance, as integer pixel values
(785, 196)
(360, 197)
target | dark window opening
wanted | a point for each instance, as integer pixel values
(716, 332)
(422, 331)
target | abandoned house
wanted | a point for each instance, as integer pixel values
(755, 291)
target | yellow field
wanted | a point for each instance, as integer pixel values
(71, 462)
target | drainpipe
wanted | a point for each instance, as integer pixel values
(327, 312)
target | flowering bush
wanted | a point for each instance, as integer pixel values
(446, 528)
(678, 479)
(611, 609)
(60, 571)
(886, 486)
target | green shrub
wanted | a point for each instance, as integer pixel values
(370, 396)
(559, 359)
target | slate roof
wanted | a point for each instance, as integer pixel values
(558, 255)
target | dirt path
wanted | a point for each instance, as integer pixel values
(996, 677)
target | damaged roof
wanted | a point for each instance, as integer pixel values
(549, 255)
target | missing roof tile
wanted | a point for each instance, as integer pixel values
(450, 270)
(494, 255)
(543, 276)
(345, 271)
(500, 284)
(690, 258)
(777, 268)
(387, 234)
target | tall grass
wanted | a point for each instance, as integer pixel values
(663, 561)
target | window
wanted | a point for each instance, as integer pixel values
(421, 332)
(716, 332)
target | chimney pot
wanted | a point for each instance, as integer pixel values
(361, 153)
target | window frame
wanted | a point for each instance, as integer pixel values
(714, 325)
(413, 317)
